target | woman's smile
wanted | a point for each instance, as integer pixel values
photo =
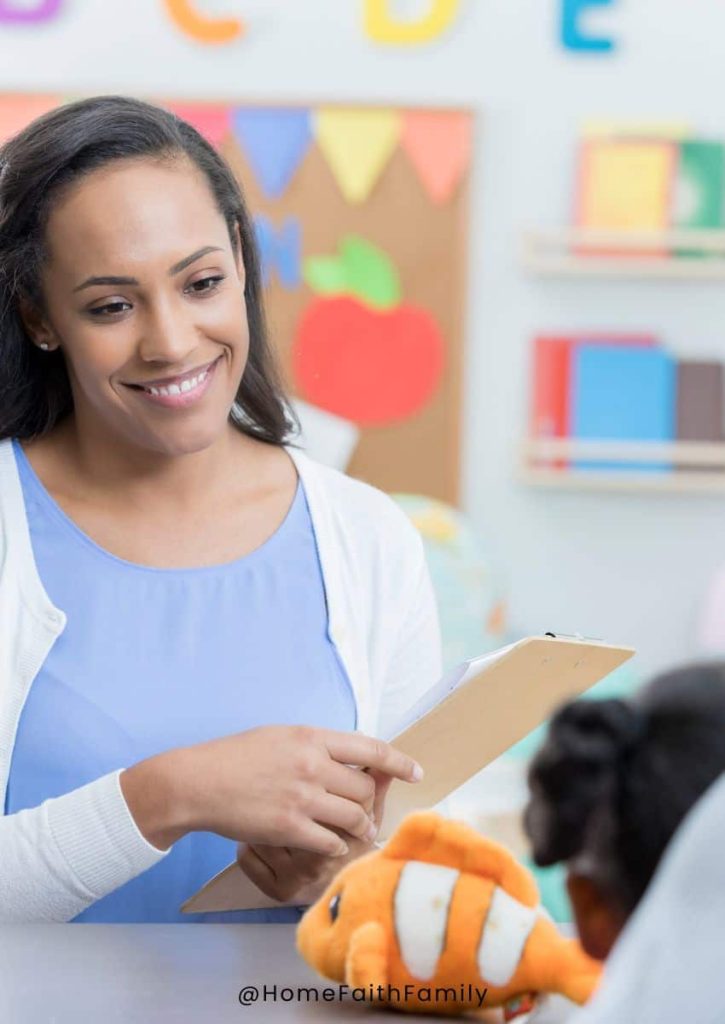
(179, 392)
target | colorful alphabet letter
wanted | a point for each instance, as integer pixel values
(280, 250)
(201, 27)
(45, 10)
(383, 27)
(572, 35)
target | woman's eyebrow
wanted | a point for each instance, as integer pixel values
(176, 269)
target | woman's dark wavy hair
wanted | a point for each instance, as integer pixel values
(615, 778)
(56, 151)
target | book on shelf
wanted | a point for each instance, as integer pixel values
(699, 195)
(623, 394)
(625, 185)
(551, 394)
(700, 401)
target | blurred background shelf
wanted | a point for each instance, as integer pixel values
(696, 467)
(582, 252)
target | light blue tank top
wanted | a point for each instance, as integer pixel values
(152, 659)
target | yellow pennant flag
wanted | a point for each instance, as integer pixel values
(357, 145)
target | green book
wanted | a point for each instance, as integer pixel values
(700, 188)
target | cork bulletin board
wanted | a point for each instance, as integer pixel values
(361, 214)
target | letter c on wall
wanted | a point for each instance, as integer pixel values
(201, 27)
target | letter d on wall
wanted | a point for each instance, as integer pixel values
(383, 27)
(201, 27)
(572, 35)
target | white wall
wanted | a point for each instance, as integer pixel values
(623, 567)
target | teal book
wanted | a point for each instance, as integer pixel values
(623, 394)
(700, 188)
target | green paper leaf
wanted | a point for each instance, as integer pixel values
(325, 275)
(369, 273)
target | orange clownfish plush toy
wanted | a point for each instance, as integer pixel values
(442, 920)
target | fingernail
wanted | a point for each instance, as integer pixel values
(371, 832)
(417, 772)
(342, 849)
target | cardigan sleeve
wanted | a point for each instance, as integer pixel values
(60, 857)
(415, 661)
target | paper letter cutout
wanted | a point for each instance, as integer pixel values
(211, 121)
(381, 26)
(571, 34)
(439, 147)
(16, 112)
(275, 141)
(201, 27)
(357, 145)
(280, 249)
(45, 10)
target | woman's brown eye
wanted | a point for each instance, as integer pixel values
(213, 281)
(335, 907)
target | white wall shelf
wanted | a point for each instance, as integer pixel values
(683, 466)
(583, 252)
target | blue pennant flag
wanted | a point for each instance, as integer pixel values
(275, 141)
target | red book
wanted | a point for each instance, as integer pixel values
(551, 396)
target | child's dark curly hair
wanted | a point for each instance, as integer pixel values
(615, 778)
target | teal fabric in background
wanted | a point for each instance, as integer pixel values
(153, 659)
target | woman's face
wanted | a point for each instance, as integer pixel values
(143, 291)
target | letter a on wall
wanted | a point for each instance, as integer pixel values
(573, 36)
(43, 10)
(382, 26)
(202, 27)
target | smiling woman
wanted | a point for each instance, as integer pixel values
(195, 618)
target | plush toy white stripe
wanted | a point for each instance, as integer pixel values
(420, 910)
(507, 926)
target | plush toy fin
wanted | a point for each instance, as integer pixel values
(367, 957)
(562, 966)
(428, 837)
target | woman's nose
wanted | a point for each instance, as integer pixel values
(167, 334)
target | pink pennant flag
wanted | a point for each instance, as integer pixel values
(17, 111)
(438, 144)
(210, 120)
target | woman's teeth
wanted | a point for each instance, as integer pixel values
(180, 389)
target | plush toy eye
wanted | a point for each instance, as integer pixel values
(335, 907)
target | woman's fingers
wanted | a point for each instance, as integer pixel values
(345, 815)
(350, 783)
(368, 752)
(255, 868)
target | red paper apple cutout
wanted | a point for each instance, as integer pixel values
(362, 354)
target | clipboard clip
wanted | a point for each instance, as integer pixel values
(576, 636)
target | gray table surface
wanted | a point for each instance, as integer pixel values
(157, 974)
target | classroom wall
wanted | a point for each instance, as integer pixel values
(628, 568)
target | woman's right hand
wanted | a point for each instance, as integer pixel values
(274, 785)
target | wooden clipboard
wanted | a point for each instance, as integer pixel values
(456, 739)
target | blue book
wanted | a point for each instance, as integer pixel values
(623, 393)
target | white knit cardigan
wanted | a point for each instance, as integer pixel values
(60, 857)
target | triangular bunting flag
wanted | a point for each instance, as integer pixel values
(275, 140)
(210, 120)
(439, 146)
(357, 145)
(16, 112)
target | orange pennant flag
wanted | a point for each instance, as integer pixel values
(438, 144)
(16, 112)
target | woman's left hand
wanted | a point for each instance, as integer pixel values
(285, 874)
